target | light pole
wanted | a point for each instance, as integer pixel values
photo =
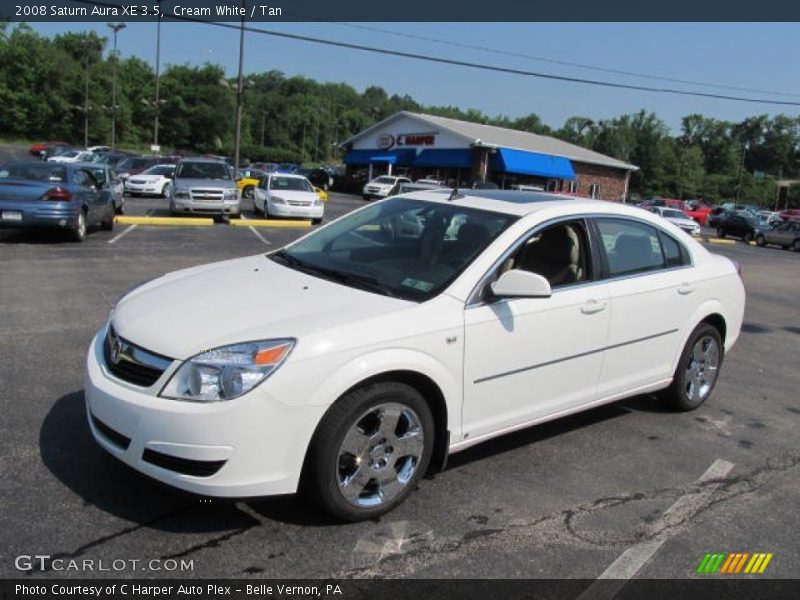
(86, 105)
(741, 170)
(116, 28)
(239, 97)
(157, 101)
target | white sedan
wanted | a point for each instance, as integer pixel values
(72, 156)
(377, 350)
(382, 186)
(678, 218)
(286, 195)
(155, 181)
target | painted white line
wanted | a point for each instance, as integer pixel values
(634, 558)
(255, 232)
(126, 231)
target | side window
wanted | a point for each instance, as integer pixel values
(559, 253)
(675, 255)
(630, 247)
(82, 179)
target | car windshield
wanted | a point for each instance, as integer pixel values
(133, 163)
(290, 184)
(673, 214)
(47, 172)
(403, 248)
(164, 170)
(203, 170)
(384, 180)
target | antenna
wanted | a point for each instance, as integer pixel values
(455, 195)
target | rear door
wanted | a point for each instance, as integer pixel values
(651, 288)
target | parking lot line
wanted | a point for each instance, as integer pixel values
(271, 223)
(126, 231)
(253, 229)
(630, 562)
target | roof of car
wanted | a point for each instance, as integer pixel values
(203, 159)
(291, 175)
(523, 203)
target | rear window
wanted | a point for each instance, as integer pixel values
(48, 172)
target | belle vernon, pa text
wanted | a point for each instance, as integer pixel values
(144, 10)
(134, 589)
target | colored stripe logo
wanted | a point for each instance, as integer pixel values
(734, 563)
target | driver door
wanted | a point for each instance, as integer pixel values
(529, 358)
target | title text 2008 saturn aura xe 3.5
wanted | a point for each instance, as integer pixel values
(404, 331)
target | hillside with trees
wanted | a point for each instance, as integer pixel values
(43, 85)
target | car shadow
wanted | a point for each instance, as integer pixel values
(70, 453)
(34, 236)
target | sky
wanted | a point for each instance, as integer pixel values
(759, 56)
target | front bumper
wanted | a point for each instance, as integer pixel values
(251, 446)
(39, 215)
(143, 188)
(303, 212)
(208, 207)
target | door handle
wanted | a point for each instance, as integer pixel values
(592, 306)
(685, 288)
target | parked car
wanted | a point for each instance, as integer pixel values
(371, 356)
(133, 165)
(109, 183)
(738, 224)
(318, 177)
(663, 202)
(382, 186)
(698, 211)
(204, 186)
(288, 195)
(790, 214)
(769, 218)
(248, 181)
(785, 235)
(678, 218)
(715, 215)
(68, 156)
(155, 181)
(99, 149)
(65, 196)
(44, 149)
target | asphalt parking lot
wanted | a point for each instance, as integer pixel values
(567, 499)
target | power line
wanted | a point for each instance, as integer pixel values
(556, 61)
(467, 64)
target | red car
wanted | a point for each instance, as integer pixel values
(698, 212)
(790, 214)
(46, 147)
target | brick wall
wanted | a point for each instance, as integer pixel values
(611, 181)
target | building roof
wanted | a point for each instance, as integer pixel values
(501, 137)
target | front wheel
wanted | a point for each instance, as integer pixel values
(79, 228)
(748, 237)
(761, 240)
(796, 246)
(369, 451)
(120, 210)
(720, 233)
(697, 370)
(165, 190)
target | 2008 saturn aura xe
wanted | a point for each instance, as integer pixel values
(401, 332)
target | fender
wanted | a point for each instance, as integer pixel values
(709, 307)
(372, 363)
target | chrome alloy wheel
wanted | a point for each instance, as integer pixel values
(379, 454)
(702, 369)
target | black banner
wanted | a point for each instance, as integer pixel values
(401, 589)
(272, 11)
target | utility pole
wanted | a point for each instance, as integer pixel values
(116, 28)
(86, 105)
(316, 144)
(263, 126)
(239, 97)
(741, 170)
(157, 102)
(303, 143)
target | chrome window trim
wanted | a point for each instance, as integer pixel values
(474, 300)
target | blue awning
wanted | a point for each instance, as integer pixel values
(362, 158)
(532, 163)
(445, 158)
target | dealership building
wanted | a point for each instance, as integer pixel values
(460, 152)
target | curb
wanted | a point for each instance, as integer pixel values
(721, 241)
(187, 221)
(269, 223)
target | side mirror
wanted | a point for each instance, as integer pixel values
(517, 283)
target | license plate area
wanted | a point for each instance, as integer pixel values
(11, 215)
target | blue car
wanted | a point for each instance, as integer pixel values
(61, 196)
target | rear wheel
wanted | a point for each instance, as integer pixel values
(761, 240)
(697, 370)
(79, 227)
(369, 451)
(720, 232)
(748, 237)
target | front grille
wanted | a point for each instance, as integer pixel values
(297, 203)
(198, 468)
(131, 363)
(115, 437)
(137, 181)
(206, 194)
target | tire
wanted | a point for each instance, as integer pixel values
(720, 233)
(165, 190)
(748, 237)
(796, 246)
(698, 369)
(761, 240)
(248, 193)
(120, 210)
(316, 221)
(78, 232)
(108, 224)
(359, 426)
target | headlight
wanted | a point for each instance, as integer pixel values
(231, 194)
(181, 192)
(276, 200)
(227, 372)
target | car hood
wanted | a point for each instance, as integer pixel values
(294, 195)
(227, 184)
(148, 178)
(685, 222)
(186, 312)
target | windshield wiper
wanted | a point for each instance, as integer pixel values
(360, 281)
